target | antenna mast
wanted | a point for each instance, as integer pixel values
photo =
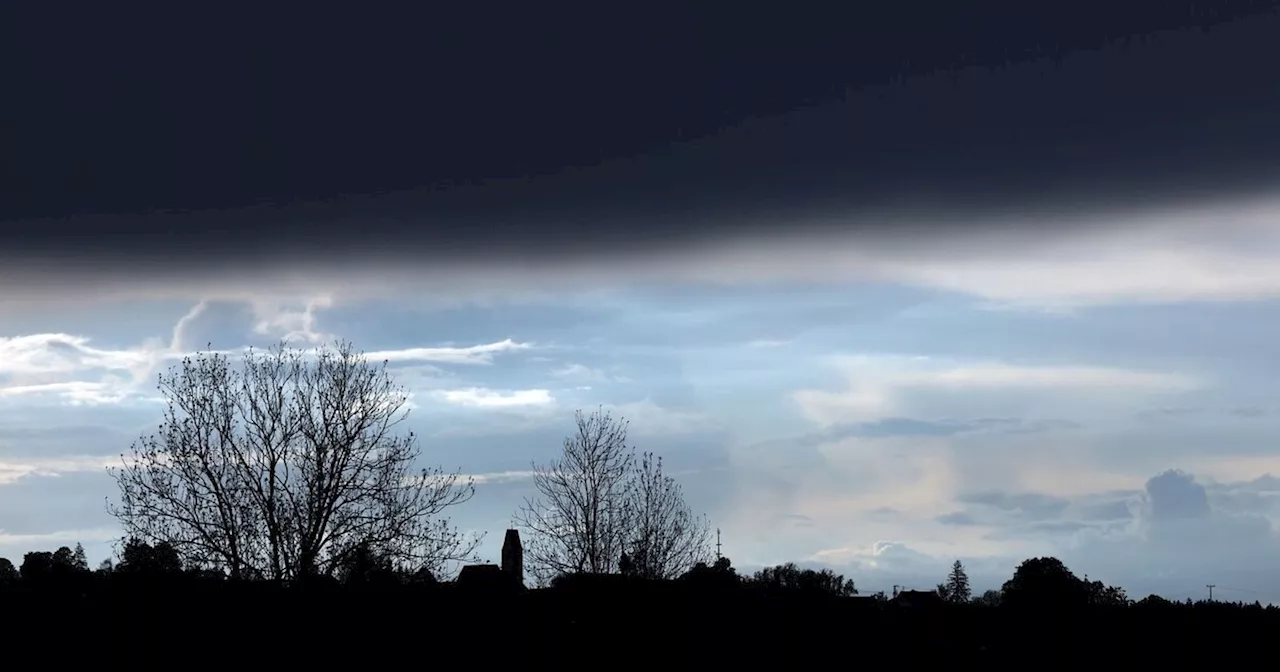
(717, 543)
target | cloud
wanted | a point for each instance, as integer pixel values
(53, 540)
(877, 386)
(1043, 260)
(580, 373)
(13, 471)
(647, 418)
(273, 317)
(500, 477)
(1169, 537)
(767, 343)
(475, 354)
(57, 363)
(109, 391)
(38, 355)
(484, 398)
(908, 427)
(957, 518)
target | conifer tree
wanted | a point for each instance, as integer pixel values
(957, 585)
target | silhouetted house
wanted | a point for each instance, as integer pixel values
(917, 599)
(478, 575)
(509, 575)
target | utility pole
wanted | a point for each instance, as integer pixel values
(1210, 587)
(717, 543)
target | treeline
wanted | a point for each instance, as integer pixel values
(711, 613)
(1037, 584)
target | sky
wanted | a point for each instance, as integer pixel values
(969, 406)
(985, 315)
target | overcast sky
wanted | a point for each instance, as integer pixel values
(916, 323)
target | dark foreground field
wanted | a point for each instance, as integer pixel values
(614, 625)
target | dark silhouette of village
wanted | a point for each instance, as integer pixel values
(1043, 614)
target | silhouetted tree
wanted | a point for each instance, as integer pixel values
(791, 578)
(79, 560)
(366, 566)
(956, 589)
(1102, 595)
(1153, 601)
(579, 521)
(1044, 582)
(283, 467)
(666, 538)
(8, 573)
(140, 558)
(37, 566)
(422, 577)
(597, 501)
(720, 573)
(989, 598)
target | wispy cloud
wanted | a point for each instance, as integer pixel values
(111, 390)
(474, 354)
(280, 319)
(647, 418)
(1045, 377)
(876, 385)
(13, 471)
(580, 374)
(59, 538)
(500, 477)
(484, 398)
(767, 343)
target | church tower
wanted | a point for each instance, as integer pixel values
(513, 557)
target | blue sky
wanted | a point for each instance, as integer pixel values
(880, 405)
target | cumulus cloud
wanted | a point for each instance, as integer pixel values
(1169, 537)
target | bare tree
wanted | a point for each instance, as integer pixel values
(286, 466)
(597, 502)
(666, 539)
(579, 522)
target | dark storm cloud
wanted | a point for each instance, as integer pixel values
(518, 130)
